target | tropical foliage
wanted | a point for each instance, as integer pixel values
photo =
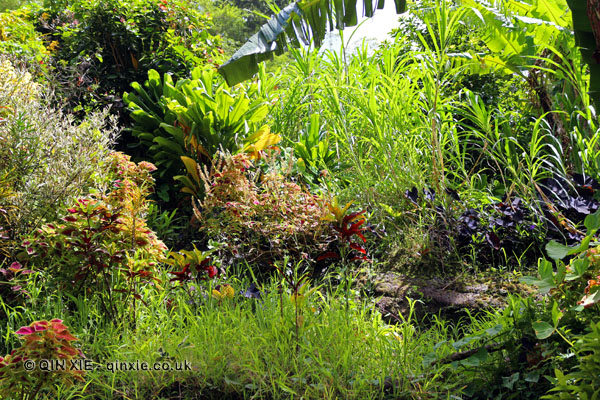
(415, 220)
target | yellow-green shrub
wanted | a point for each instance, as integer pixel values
(18, 37)
(46, 158)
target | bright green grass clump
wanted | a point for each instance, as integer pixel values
(247, 348)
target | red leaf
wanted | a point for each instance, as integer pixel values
(351, 217)
(183, 275)
(360, 235)
(212, 271)
(355, 225)
(40, 326)
(327, 255)
(65, 335)
(25, 330)
(14, 267)
(358, 248)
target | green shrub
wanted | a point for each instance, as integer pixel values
(582, 381)
(19, 39)
(102, 46)
(193, 118)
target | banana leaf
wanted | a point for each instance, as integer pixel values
(298, 22)
(261, 46)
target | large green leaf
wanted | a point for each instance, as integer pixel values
(244, 63)
(297, 23)
(543, 330)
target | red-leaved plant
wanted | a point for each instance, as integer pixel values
(191, 266)
(346, 227)
(260, 216)
(20, 373)
(103, 245)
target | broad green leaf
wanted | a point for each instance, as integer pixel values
(466, 340)
(476, 359)
(244, 63)
(557, 251)
(532, 376)
(494, 330)
(555, 11)
(509, 381)
(543, 285)
(579, 267)
(556, 314)
(542, 329)
(189, 186)
(545, 269)
(592, 222)
(429, 358)
(170, 145)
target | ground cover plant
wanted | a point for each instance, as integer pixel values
(414, 221)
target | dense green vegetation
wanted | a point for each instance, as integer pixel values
(420, 221)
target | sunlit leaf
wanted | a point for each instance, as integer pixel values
(542, 329)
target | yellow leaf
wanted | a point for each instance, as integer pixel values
(265, 129)
(227, 291)
(224, 292)
(197, 146)
(188, 191)
(191, 167)
(134, 61)
(301, 164)
(260, 140)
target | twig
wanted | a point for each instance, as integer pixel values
(491, 348)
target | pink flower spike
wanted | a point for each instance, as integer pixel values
(25, 330)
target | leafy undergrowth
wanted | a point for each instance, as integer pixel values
(244, 345)
(452, 175)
